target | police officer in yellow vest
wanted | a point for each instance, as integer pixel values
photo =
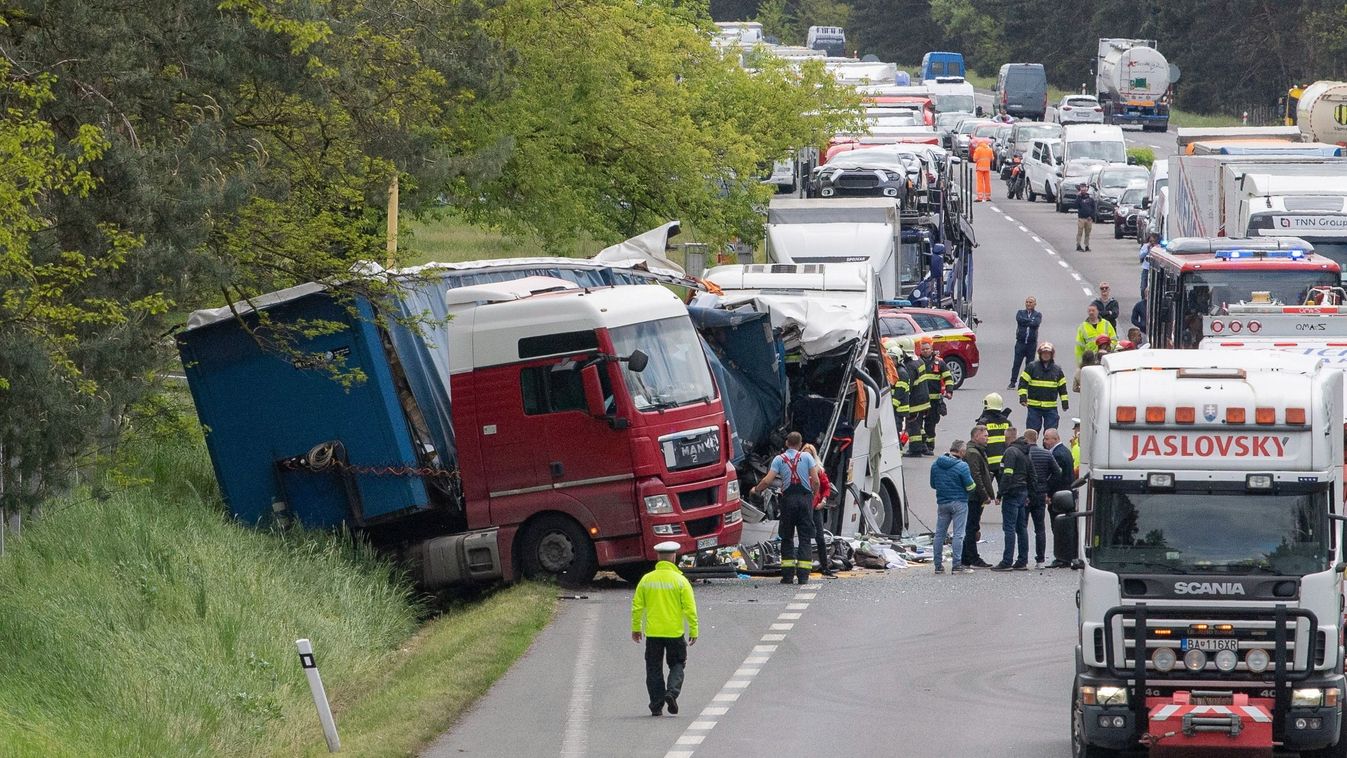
(663, 601)
(996, 417)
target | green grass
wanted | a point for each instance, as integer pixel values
(148, 623)
(1144, 156)
(1184, 118)
(446, 238)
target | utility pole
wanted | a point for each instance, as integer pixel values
(392, 220)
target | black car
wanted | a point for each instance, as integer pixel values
(1129, 218)
(864, 173)
(1109, 184)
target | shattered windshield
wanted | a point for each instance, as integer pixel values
(1204, 531)
(676, 374)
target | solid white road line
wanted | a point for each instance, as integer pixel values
(575, 743)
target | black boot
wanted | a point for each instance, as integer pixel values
(802, 576)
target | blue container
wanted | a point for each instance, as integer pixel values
(259, 410)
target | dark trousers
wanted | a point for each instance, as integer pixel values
(824, 563)
(971, 532)
(916, 434)
(1023, 353)
(1037, 510)
(1015, 526)
(931, 418)
(1041, 419)
(1064, 539)
(657, 649)
(797, 519)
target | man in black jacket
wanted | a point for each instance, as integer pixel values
(1046, 470)
(1063, 532)
(1027, 322)
(1085, 209)
(1017, 477)
(984, 492)
(1107, 304)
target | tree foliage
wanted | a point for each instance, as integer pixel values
(621, 116)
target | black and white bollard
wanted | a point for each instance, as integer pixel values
(319, 695)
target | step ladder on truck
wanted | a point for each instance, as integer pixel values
(1210, 535)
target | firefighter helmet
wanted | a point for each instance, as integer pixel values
(993, 401)
(1046, 347)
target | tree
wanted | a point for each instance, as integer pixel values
(620, 116)
(216, 150)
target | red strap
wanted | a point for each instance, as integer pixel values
(793, 466)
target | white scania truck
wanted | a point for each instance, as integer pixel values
(1210, 601)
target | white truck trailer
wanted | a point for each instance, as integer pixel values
(1210, 600)
(842, 230)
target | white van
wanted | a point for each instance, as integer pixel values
(1041, 169)
(1085, 149)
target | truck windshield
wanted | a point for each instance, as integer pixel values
(953, 103)
(676, 374)
(1103, 150)
(1205, 531)
(910, 259)
(1206, 293)
(1335, 250)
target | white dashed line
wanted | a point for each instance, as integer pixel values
(1075, 276)
(1024, 228)
(1063, 264)
(1035, 238)
(743, 676)
(1087, 291)
(1009, 218)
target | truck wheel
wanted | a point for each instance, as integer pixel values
(884, 511)
(1078, 747)
(957, 370)
(555, 547)
(632, 572)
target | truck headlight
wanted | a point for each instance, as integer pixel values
(1311, 697)
(666, 530)
(733, 517)
(1194, 660)
(732, 491)
(1257, 660)
(1164, 659)
(656, 504)
(1226, 660)
(1111, 695)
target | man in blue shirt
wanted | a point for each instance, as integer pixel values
(798, 472)
(952, 481)
(1027, 322)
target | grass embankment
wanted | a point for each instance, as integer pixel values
(446, 238)
(148, 623)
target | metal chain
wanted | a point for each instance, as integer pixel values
(297, 464)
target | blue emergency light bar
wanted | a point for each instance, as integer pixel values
(896, 303)
(1229, 255)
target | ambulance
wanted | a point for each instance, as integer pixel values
(1210, 535)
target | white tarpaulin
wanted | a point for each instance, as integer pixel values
(815, 324)
(646, 250)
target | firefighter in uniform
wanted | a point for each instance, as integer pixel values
(996, 417)
(799, 474)
(1042, 385)
(935, 385)
(919, 401)
(899, 349)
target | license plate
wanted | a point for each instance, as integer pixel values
(706, 542)
(697, 449)
(1211, 644)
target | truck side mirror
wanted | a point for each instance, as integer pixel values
(589, 378)
(637, 361)
(1145, 203)
(1131, 160)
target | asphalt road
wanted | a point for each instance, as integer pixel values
(902, 662)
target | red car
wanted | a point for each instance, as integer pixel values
(955, 342)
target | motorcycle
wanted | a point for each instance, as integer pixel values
(1018, 180)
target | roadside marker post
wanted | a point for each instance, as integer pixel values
(319, 695)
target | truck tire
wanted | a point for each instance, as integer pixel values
(1078, 748)
(555, 547)
(888, 512)
(632, 572)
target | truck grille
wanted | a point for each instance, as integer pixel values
(861, 182)
(1249, 627)
(694, 499)
(702, 526)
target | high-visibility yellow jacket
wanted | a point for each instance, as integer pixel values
(664, 600)
(1042, 385)
(1087, 333)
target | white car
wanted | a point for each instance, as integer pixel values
(1078, 109)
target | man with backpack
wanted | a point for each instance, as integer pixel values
(799, 472)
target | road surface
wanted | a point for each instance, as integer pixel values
(899, 662)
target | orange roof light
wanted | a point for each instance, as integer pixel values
(1234, 415)
(1155, 414)
(1295, 416)
(1185, 414)
(1265, 416)
(1126, 414)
